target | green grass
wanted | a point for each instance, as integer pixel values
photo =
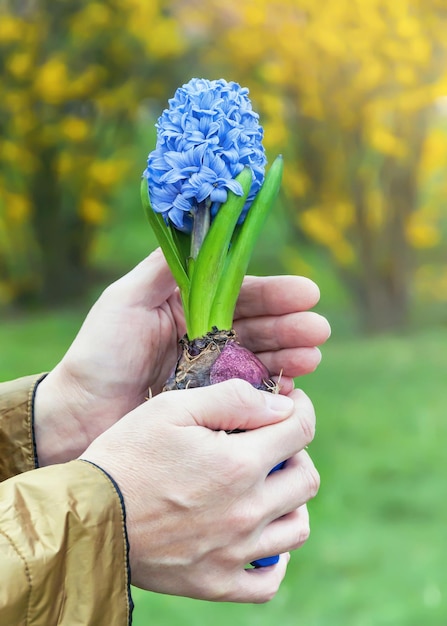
(379, 524)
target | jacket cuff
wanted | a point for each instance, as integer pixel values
(17, 447)
(71, 565)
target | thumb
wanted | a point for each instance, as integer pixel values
(230, 405)
(149, 283)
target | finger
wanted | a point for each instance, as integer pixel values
(285, 384)
(291, 487)
(275, 295)
(291, 363)
(304, 329)
(286, 534)
(282, 440)
(259, 585)
(231, 405)
(149, 284)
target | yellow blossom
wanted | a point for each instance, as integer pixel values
(74, 128)
(295, 181)
(18, 155)
(66, 164)
(107, 173)
(92, 210)
(11, 28)
(19, 64)
(17, 206)
(89, 80)
(276, 134)
(92, 17)
(316, 224)
(385, 142)
(52, 82)
(434, 153)
(422, 234)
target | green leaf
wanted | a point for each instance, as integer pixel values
(173, 254)
(210, 261)
(182, 242)
(242, 247)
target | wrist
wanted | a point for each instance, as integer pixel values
(57, 433)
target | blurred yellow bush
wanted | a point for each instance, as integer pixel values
(74, 75)
(348, 90)
(353, 93)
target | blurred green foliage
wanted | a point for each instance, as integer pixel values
(376, 553)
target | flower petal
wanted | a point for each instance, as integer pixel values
(205, 138)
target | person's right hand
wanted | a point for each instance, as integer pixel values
(200, 503)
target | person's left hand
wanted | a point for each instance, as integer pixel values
(128, 346)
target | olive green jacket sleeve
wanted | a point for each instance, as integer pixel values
(63, 549)
(63, 542)
(17, 453)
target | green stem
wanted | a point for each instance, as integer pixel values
(227, 292)
(210, 262)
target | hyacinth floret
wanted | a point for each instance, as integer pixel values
(205, 138)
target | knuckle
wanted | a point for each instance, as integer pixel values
(218, 588)
(235, 471)
(307, 425)
(267, 596)
(303, 534)
(305, 416)
(312, 478)
(242, 393)
(270, 592)
(219, 591)
(244, 520)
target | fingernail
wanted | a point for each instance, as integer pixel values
(278, 402)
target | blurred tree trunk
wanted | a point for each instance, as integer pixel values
(380, 278)
(382, 281)
(62, 237)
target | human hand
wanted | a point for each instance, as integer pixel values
(128, 344)
(273, 320)
(201, 503)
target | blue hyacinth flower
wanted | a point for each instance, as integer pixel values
(206, 137)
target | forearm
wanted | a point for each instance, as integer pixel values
(59, 436)
(64, 549)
